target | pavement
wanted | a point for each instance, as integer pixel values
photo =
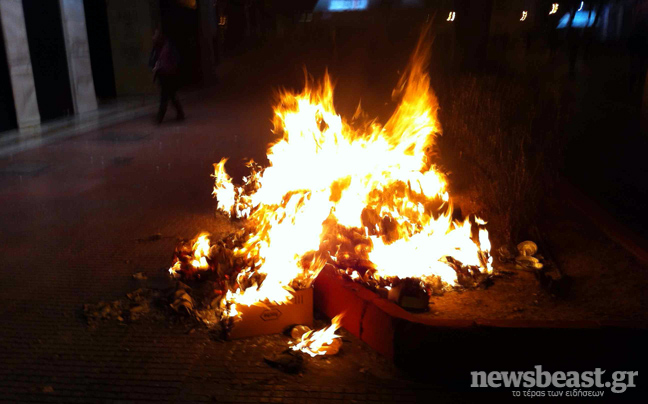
(72, 212)
(109, 112)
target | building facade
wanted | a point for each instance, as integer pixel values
(63, 57)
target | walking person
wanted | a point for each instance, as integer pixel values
(165, 61)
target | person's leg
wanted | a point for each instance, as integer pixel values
(176, 102)
(164, 99)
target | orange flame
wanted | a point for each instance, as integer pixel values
(321, 342)
(198, 260)
(342, 194)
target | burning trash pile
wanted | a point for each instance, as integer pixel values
(364, 199)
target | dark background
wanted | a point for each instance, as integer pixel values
(7, 110)
(49, 62)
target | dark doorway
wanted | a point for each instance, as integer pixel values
(49, 62)
(101, 61)
(236, 23)
(181, 24)
(7, 110)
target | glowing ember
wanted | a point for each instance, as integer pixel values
(322, 342)
(365, 199)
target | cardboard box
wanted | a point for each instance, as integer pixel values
(274, 319)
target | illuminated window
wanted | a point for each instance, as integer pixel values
(346, 5)
(580, 19)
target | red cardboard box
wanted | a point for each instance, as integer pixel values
(274, 319)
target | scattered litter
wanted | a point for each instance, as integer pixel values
(153, 237)
(525, 258)
(505, 253)
(102, 311)
(527, 248)
(138, 295)
(298, 331)
(137, 311)
(408, 294)
(180, 299)
(137, 304)
(286, 361)
(528, 262)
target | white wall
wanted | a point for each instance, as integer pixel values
(78, 55)
(14, 33)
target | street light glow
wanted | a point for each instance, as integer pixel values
(554, 8)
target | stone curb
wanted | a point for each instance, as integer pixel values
(403, 336)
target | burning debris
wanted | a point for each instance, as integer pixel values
(321, 342)
(298, 331)
(365, 199)
(194, 259)
(286, 361)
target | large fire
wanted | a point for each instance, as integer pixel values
(364, 198)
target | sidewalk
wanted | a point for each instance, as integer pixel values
(114, 111)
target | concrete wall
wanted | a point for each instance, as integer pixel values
(78, 55)
(19, 61)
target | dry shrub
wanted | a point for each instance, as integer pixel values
(501, 146)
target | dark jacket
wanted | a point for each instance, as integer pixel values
(164, 60)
